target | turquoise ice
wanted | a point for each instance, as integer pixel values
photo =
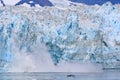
(82, 33)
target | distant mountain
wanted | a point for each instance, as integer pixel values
(28, 2)
(34, 2)
(2, 3)
(92, 2)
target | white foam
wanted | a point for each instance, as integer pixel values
(40, 61)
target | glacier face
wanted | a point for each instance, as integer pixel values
(78, 33)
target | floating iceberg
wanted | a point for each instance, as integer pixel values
(85, 34)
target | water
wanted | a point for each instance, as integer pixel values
(106, 75)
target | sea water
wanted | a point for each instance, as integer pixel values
(106, 75)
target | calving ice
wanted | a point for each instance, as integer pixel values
(37, 39)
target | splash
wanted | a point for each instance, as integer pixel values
(40, 61)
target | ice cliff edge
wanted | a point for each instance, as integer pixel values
(78, 33)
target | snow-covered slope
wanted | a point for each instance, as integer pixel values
(62, 3)
(35, 2)
(93, 2)
(2, 3)
(57, 3)
(10, 2)
(28, 3)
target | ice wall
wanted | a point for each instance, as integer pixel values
(84, 34)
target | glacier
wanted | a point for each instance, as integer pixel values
(82, 34)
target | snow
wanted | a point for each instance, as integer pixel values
(27, 3)
(1, 4)
(57, 3)
(10, 2)
(62, 3)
